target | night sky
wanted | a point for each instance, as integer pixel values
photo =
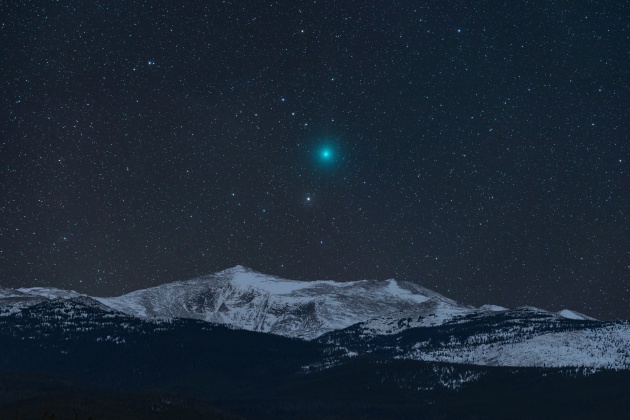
(480, 149)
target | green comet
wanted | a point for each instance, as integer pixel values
(326, 154)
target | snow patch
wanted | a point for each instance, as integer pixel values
(566, 313)
(49, 292)
(493, 308)
(395, 290)
(277, 286)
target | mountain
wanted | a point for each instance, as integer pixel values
(15, 300)
(520, 337)
(254, 301)
(246, 299)
(72, 355)
(388, 318)
(254, 345)
(80, 339)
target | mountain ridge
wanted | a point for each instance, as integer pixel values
(388, 319)
(245, 298)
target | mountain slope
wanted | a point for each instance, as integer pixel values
(82, 338)
(520, 337)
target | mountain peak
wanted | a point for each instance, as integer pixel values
(238, 269)
(232, 271)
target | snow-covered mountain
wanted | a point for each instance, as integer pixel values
(246, 299)
(389, 318)
(520, 337)
(374, 337)
(479, 352)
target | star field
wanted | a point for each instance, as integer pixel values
(480, 150)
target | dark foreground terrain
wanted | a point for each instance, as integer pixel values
(351, 391)
(76, 360)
